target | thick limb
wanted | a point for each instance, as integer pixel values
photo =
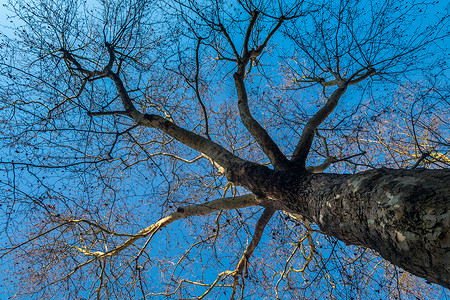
(181, 213)
(268, 146)
(304, 145)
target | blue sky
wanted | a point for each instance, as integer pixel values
(2, 14)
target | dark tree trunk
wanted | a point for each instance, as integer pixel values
(402, 214)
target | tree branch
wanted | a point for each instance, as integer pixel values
(216, 152)
(123, 94)
(107, 113)
(258, 50)
(259, 229)
(329, 83)
(328, 159)
(304, 145)
(236, 54)
(249, 30)
(268, 146)
(70, 60)
(181, 213)
(197, 91)
(323, 166)
(370, 72)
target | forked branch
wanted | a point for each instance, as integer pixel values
(304, 145)
(328, 159)
(268, 146)
(217, 153)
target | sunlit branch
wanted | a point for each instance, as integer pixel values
(186, 253)
(214, 284)
(181, 213)
(222, 275)
(93, 224)
(189, 161)
(421, 158)
(299, 246)
(323, 166)
(217, 153)
(101, 278)
(328, 159)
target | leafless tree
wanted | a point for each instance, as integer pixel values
(225, 149)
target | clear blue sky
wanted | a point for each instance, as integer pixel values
(3, 15)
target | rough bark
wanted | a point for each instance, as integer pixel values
(402, 214)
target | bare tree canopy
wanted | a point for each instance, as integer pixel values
(246, 149)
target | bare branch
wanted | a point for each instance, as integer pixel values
(112, 56)
(197, 91)
(261, 136)
(329, 83)
(249, 30)
(323, 166)
(259, 229)
(236, 54)
(370, 72)
(107, 113)
(9, 250)
(123, 93)
(328, 159)
(181, 213)
(216, 152)
(259, 50)
(421, 158)
(67, 56)
(304, 145)
(268, 146)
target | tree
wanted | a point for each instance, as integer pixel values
(318, 123)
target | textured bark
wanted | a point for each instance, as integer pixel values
(402, 214)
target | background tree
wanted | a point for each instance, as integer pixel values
(122, 117)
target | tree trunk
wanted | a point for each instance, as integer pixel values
(402, 214)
